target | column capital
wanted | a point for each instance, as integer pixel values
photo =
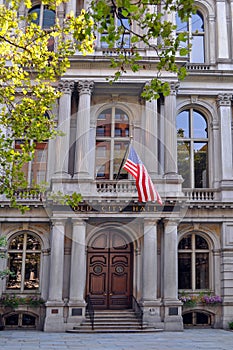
(85, 87)
(58, 221)
(171, 222)
(66, 86)
(79, 222)
(224, 100)
(150, 221)
(174, 87)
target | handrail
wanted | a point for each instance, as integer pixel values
(90, 310)
(138, 310)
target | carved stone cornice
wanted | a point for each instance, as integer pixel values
(224, 100)
(66, 86)
(85, 87)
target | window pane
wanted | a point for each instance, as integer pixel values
(199, 125)
(200, 165)
(202, 270)
(185, 272)
(12, 320)
(202, 318)
(186, 243)
(28, 320)
(201, 243)
(32, 243)
(121, 124)
(182, 124)
(103, 159)
(181, 26)
(15, 265)
(17, 243)
(197, 51)
(183, 151)
(48, 18)
(32, 267)
(36, 10)
(197, 22)
(104, 124)
(119, 152)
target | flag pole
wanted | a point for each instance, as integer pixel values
(123, 160)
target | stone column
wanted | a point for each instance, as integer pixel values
(222, 32)
(172, 306)
(45, 273)
(54, 320)
(224, 112)
(3, 266)
(71, 6)
(170, 131)
(83, 130)
(63, 142)
(150, 127)
(57, 260)
(78, 263)
(150, 303)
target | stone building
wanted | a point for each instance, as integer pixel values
(123, 254)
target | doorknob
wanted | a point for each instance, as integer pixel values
(110, 294)
(105, 294)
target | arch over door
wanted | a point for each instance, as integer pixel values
(109, 276)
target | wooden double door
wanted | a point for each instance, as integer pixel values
(109, 273)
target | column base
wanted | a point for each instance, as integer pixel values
(151, 314)
(61, 175)
(82, 175)
(173, 320)
(76, 312)
(54, 320)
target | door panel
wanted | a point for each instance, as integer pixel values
(109, 279)
(98, 278)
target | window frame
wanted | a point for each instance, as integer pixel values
(191, 140)
(112, 139)
(194, 251)
(192, 34)
(24, 251)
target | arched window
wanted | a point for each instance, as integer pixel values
(24, 257)
(45, 16)
(196, 33)
(193, 263)
(45, 19)
(112, 139)
(192, 148)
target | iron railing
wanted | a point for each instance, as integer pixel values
(138, 310)
(90, 310)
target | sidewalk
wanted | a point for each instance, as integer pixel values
(195, 339)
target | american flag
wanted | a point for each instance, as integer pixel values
(144, 184)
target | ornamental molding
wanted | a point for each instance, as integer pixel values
(66, 86)
(224, 100)
(85, 87)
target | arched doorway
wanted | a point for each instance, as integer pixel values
(109, 272)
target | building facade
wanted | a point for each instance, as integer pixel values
(117, 251)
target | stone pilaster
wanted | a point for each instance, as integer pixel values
(63, 142)
(77, 302)
(226, 176)
(222, 30)
(172, 306)
(170, 131)
(78, 263)
(85, 89)
(71, 6)
(150, 303)
(150, 131)
(54, 320)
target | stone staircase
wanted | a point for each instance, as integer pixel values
(111, 321)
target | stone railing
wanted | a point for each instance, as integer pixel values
(112, 187)
(200, 194)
